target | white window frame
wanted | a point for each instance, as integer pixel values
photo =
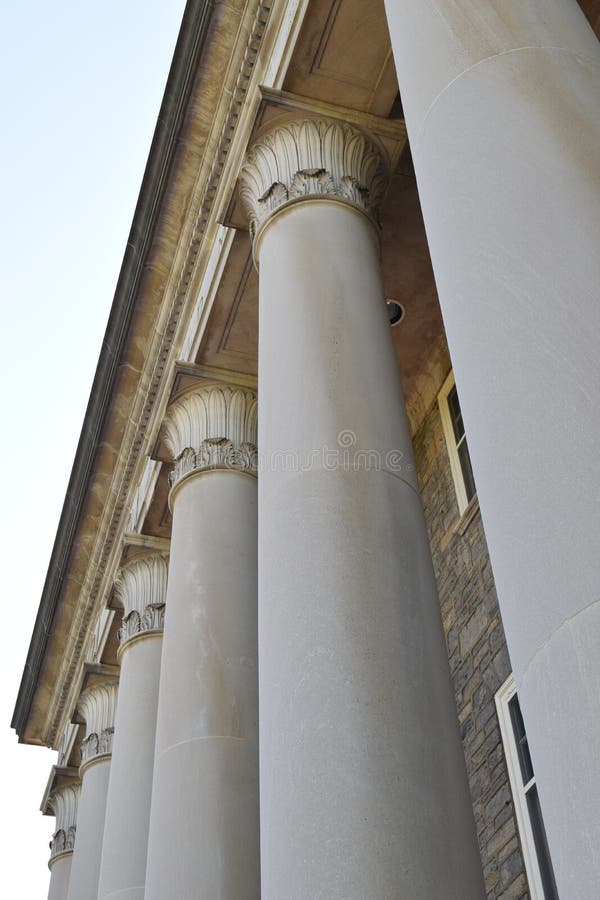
(503, 697)
(457, 474)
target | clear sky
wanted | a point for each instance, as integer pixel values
(80, 85)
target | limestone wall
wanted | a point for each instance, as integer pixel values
(478, 656)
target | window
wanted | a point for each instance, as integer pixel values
(524, 790)
(456, 441)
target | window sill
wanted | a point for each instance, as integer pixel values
(467, 516)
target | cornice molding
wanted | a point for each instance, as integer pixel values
(310, 158)
(262, 58)
(141, 586)
(213, 426)
(188, 51)
(97, 705)
(63, 802)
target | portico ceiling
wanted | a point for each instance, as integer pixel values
(339, 59)
(343, 60)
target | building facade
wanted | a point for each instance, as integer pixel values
(355, 323)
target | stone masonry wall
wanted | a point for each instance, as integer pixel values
(478, 656)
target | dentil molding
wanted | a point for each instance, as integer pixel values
(212, 427)
(311, 158)
(141, 585)
(63, 801)
(97, 705)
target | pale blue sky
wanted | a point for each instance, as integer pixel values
(81, 85)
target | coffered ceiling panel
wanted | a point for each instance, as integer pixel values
(344, 56)
(231, 339)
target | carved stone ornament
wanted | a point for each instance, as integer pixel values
(311, 158)
(212, 427)
(142, 587)
(97, 705)
(97, 744)
(63, 802)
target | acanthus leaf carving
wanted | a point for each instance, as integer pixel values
(153, 618)
(97, 744)
(97, 705)
(63, 802)
(312, 158)
(309, 182)
(141, 585)
(215, 453)
(213, 427)
(247, 456)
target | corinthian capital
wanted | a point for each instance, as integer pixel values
(311, 158)
(63, 802)
(212, 427)
(142, 587)
(97, 705)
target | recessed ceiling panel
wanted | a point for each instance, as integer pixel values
(344, 56)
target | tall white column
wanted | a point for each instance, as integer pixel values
(363, 784)
(204, 822)
(141, 587)
(502, 103)
(63, 802)
(97, 706)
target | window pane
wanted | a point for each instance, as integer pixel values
(518, 725)
(467, 471)
(455, 415)
(541, 845)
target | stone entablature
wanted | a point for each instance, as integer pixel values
(213, 427)
(311, 158)
(97, 705)
(142, 586)
(63, 802)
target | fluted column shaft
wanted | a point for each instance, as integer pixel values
(204, 828)
(503, 114)
(141, 586)
(363, 784)
(63, 801)
(97, 705)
